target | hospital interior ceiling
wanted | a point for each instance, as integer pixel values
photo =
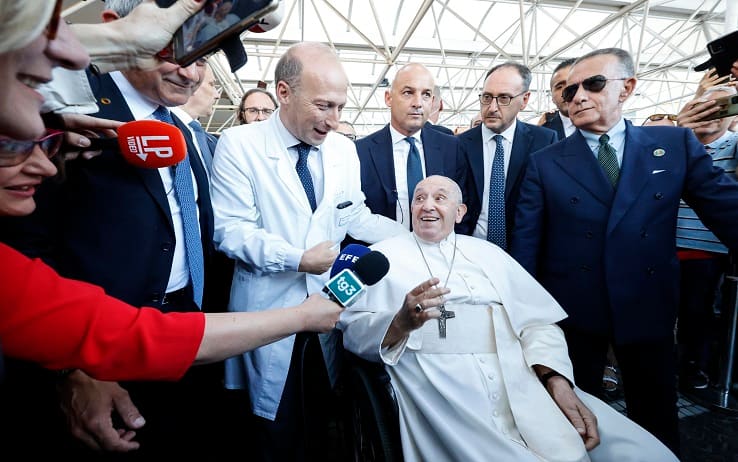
(459, 40)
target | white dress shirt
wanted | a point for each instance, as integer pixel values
(400, 153)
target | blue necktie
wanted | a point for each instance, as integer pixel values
(185, 194)
(414, 169)
(202, 142)
(609, 160)
(303, 149)
(496, 229)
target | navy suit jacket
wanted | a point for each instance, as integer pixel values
(109, 223)
(554, 123)
(440, 128)
(441, 157)
(528, 139)
(609, 256)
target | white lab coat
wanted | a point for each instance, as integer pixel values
(474, 396)
(262, 218)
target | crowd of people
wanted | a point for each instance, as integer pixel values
(177, 311)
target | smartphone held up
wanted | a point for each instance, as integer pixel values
(218, 25)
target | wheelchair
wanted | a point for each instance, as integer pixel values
(370, 412)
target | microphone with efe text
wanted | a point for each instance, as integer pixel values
(348, 257)
(349, 283)
(146, 143)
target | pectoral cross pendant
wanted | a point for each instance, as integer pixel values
(445, 314)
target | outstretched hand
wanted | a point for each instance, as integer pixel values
(419, 306)
(80, 128)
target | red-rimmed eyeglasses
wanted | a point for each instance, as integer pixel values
(15, 152)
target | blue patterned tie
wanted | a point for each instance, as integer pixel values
(185, 193)
(496, 229)
(202, 142)
(414, 169)
(609, 160)
(303, 149)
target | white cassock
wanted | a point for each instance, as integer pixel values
(474, 396)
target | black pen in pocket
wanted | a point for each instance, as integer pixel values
(343, 205)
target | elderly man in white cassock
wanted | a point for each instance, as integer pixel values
(479, 367)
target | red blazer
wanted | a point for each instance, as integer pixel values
(62, 324)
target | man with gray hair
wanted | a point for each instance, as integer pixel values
(596, 225)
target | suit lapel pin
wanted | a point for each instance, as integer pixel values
(658, 152)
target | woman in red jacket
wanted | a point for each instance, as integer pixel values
(64, 324)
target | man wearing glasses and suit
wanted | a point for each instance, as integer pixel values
(596, 223)
(497, 152)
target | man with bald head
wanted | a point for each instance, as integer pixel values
(286, 192)
(493, 381)
(406, 150)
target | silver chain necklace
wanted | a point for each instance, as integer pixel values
(445, 314)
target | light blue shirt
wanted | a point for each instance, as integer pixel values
(617, 140)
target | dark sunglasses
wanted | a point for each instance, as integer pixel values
(657, 117)
(15, 152)
(595, 84)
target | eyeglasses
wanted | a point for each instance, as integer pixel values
(350, 136)
(53, 26)
(594, 84)
(15, 152)
(657, 117)
(502, 100)
(256, 110)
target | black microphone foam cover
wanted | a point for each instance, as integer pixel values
(371, 267)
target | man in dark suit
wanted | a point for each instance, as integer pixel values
(145, 236)
(596, 225)
(558, 120)
(504, 95)
(386, 155)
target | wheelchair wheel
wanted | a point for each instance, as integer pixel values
(372, 417)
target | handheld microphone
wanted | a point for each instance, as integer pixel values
(270, 21)
(349, 283)
(348, 256)
(146, 143)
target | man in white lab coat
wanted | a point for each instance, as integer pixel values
(493, 381)
(286, 192)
